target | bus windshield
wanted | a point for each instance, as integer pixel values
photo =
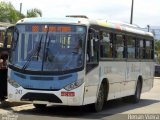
(48, 47)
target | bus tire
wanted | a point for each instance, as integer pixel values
(39, 106)
(136, 97)
(98, 105)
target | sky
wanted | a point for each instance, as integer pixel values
(146, 12)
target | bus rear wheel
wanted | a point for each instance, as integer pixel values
(136, 97)
(98, 105)
(39, 106)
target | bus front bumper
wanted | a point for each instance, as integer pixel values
(61, 97)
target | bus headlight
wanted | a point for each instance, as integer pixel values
(13, 83)
(74, 85)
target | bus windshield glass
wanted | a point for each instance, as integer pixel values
(48, 47)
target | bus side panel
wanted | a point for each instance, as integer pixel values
(132, 74)
(147, 69)
(91, 86)
(115, 73)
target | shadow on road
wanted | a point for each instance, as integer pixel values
(111, 108)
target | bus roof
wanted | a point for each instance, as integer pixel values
(120, 26)
(66, 20)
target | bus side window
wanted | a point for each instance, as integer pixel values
(120, 46)
(141, 50)
(106, 47)
(149, 49)
(131, 47)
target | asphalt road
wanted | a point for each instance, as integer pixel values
(147, 108)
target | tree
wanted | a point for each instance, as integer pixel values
(8, 13)
(157, 50)
(157, 45)
(34, 13)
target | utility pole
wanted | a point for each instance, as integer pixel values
(131, 19)
(148, 26)
(20, 9)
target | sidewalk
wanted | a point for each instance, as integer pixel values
(7, 104)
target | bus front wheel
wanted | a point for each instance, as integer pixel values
(98, 105)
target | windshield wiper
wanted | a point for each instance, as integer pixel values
(47, 47)
(39, 48)
(33, 53)
(44, 52)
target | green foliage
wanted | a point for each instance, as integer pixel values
(34, 13)
(157, 45)
(157, 50)
(9, 14)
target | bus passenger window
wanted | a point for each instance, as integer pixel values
(148, 49)
(131, 47)
(141, 50)
(120, 46)
(106, 50)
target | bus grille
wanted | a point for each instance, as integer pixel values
(41, 97)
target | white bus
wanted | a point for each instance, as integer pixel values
(78, 61)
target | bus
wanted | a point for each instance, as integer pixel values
(78, 61)
(4, 50)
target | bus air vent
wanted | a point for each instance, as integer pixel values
(40, 78)
(41, 97)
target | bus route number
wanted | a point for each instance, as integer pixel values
(18, 91)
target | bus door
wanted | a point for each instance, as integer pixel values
(5, 40)
(92, 68)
